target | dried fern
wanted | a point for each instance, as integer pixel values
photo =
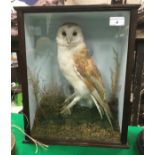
(115, 74)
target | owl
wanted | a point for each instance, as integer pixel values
(86, 2)
(79, 69)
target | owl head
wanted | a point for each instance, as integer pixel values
(69, 35)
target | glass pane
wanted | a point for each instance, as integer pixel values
(52, 80)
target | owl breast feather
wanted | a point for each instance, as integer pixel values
(66, 63)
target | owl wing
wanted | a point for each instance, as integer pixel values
(88, 72)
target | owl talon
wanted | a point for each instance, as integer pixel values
(67, 100)
(65, 111)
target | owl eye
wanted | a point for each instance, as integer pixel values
(64, 33)
(74, 33)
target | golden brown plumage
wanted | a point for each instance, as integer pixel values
(91, 76)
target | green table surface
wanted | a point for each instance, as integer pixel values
(29, 149)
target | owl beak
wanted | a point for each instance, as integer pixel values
(69, 40)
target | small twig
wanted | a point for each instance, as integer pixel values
(37, 143)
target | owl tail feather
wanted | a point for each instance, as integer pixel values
(103, 107)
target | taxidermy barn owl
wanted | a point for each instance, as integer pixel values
(80, 70)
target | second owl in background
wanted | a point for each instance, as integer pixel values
(86, 2)
(80, 71)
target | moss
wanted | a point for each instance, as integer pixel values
(83, 123)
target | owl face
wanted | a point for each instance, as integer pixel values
(69, 35)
